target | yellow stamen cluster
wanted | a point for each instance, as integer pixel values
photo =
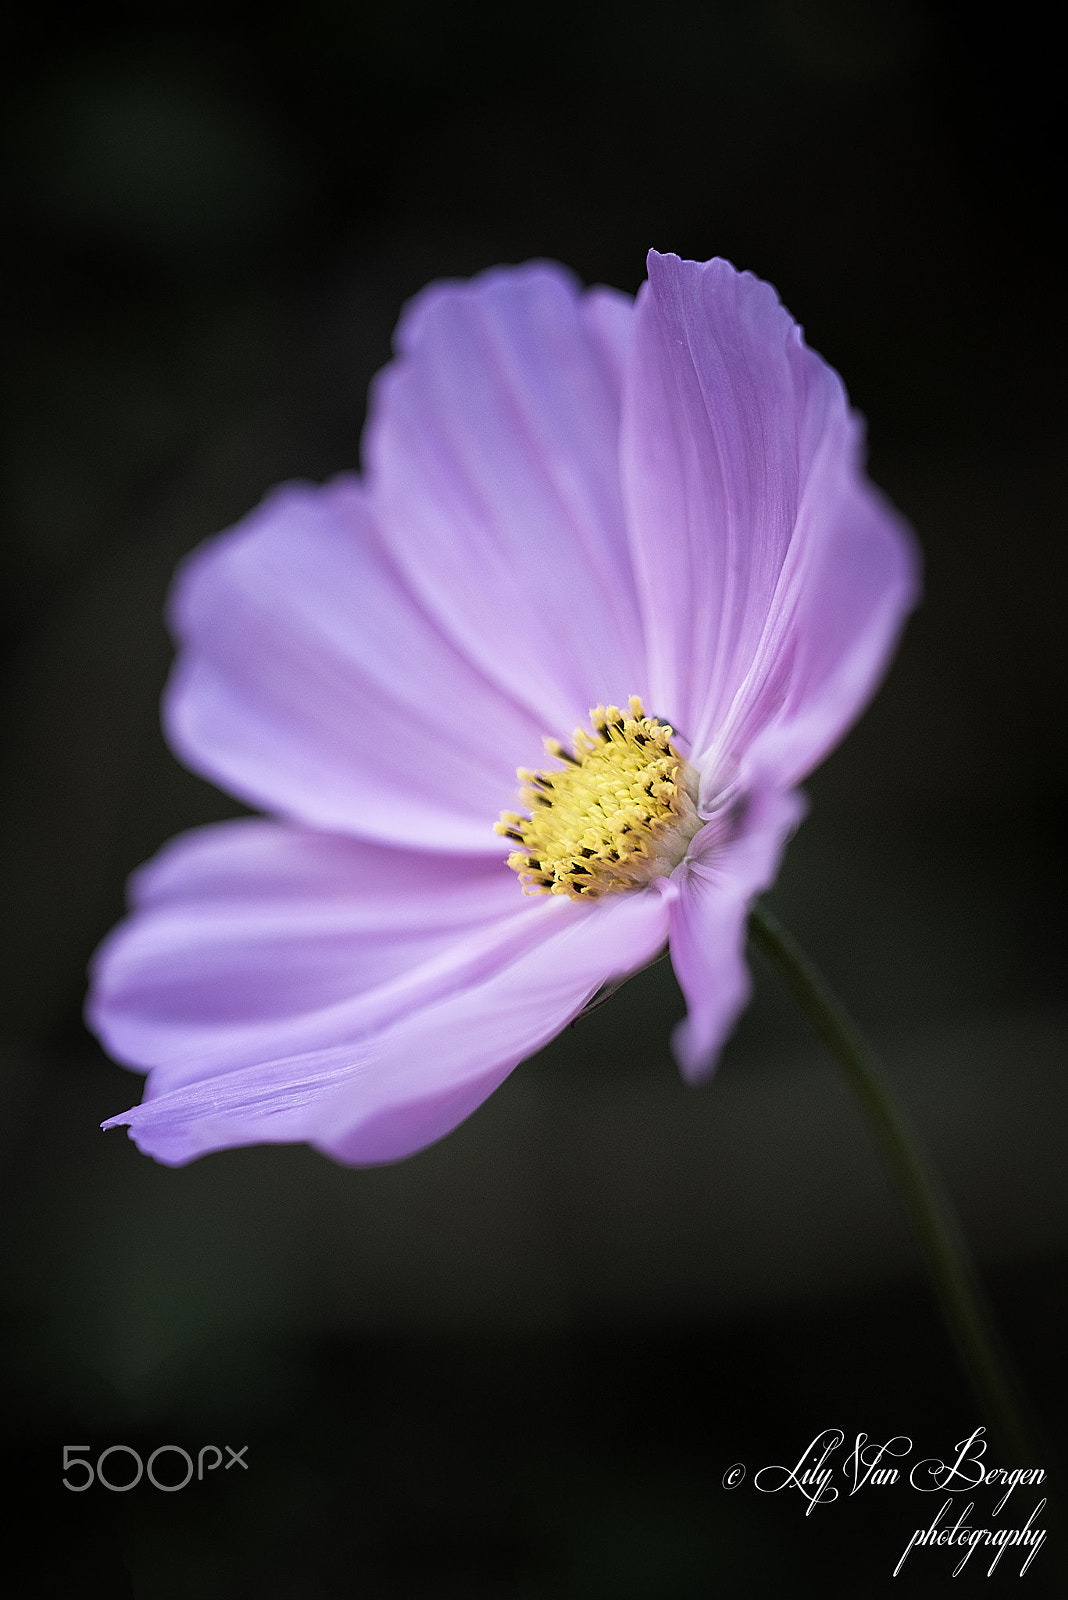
(620, 811)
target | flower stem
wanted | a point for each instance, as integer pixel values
(986, 1363)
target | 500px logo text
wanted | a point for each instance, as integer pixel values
(119, 1467)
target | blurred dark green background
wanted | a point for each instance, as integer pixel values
(520, 1363)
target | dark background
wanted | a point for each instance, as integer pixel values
(520, 1363)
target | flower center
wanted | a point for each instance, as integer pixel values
(620, 812)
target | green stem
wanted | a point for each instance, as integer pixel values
(985, 1361)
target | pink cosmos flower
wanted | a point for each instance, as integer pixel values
(572, 500)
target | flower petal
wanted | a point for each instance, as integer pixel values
(493, 467)
(773, 578)
(391, 1093)
(708, 924)
(311, 682)
(838, 611)
(251, 941)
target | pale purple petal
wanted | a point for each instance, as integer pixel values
(252, 940)
(708, 923)
(397, 1090)
(312, 683)
(842, 605)
(608, 317)
(493, 468)
(752, 523)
